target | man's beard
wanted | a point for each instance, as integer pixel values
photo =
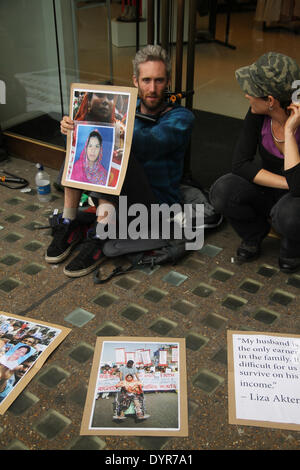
(155, 106)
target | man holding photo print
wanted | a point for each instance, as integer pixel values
(154, 169)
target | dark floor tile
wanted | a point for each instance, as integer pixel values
(221, 356)
(109, 329)
(294, 281)
(88, 443)
(12, 237)
(267, 271)
(250, 286)
(126, 283)
(10, 260)
(82, 353)
(194, 341)
(78, 395)
(51, 424)
(193, 263)
(13, 218)
(266, 316)
(53, 376)
(162, 326)
(14, 201)
(22, 403)
(32, 208)
(207, 381)
(154, 295)
(281, 297)
(233, 303)
(33, 246)
(33, 269)
(221, 274)
(215, 321)
(9, 284)
(203, 290)
(183, 306)
(105, 299)
(133, 312)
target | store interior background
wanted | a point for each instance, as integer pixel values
(36, 45)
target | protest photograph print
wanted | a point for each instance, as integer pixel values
(99, 146)
(264, 379)
(25, 344)
(137, 387)
(92, 154)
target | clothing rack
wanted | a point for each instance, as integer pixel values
(211, 35)
(286, 15)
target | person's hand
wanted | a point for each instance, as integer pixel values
(66, 125)
(293, 121)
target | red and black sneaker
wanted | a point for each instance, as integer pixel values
(66, 235)
(89, 257)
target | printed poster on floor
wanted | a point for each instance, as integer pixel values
(133, 393)
(25, 344)
(264, 379)
(98, 148)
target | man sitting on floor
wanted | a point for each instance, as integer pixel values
(155, 165)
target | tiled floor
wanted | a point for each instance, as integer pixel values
(199, 299)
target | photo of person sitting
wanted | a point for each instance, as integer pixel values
(131, 392)
(88, 168)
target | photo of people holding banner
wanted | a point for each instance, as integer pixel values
(141, 386)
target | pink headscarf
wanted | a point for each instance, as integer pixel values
(82, 171)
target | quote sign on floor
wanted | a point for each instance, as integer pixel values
(264, 379)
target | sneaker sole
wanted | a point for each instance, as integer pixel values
(241, 260)
(290, 270)
(209, 225)
(83, 272)
(63, 256)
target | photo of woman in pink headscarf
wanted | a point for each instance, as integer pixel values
(91, 166)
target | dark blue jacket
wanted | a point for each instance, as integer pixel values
(161, 148)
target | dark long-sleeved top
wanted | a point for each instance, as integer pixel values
(160, 147)
(256, 135)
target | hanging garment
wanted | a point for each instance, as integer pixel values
(287, 10)
(268, 10)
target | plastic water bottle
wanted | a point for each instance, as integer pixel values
(42, 181)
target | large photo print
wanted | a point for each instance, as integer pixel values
(25, 344)
(137, 387)
(98, 149)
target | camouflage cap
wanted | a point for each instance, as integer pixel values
(272, 74)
